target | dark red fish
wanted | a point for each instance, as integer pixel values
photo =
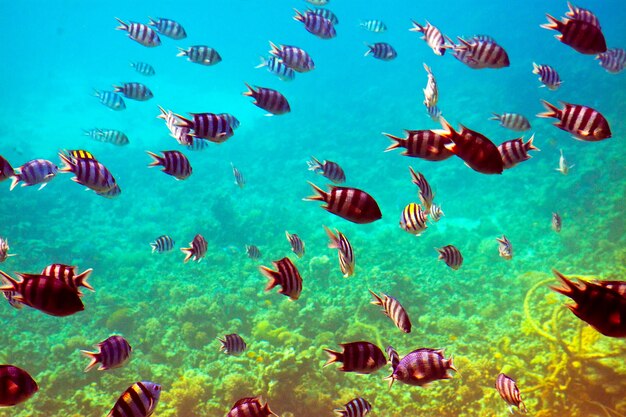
(425, 144)
(583, 122)
(350, 203)
(213, 127)
(602, 307)
(250, 407)
(583, 36)
(515, 151)
(359, 357)
(174, 163)
(286, 275)
(16, 385)
(196, 250)
(267, 99)
(6, 170)
(68, 275)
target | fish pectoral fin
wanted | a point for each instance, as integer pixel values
(41, 186)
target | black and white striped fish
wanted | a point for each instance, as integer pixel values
(357, 407)
(135, 91)
(434, 112)
(548, 76)
(373, 25)
(278, 68)
(613, 60)
(557, 222)
(253, 252)
(143, 68)
(139, 400)
(113, 352)
(360, 357)
(431, 93)
(37, 171)
(88, 172)
(343, 246)
(479, 53)
(4, 249)
(583, 122)
(297, 245)
(110, 99)
(394, 358)
(112, 136)
(292, 56)
(325, 13)
(286, 275)
(196, 250)
(200, 54)
(174, 163)
(505, 249)
(451, 256)
(425, 194)
(316, 24)
(169, 28)
(232, 344)
(68, 274)
(507, 388)
(240, 181)
(382, 51)
(209, 126)
(329, 169)
(513, 121)
(250, 407)
(267, 99)
(139, 32)
(232, 120)
(435, 213)
(162, 244)
(515, 151)
(432, 36)
(394, 310)
(413, 219)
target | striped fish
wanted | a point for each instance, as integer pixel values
(267, 99)
(431, 94)
(253, 252)
(162, 244)
(200, 54)
(556, 222)
(584, 123)
(37, 171)
(513, 121)
(135, 91)
(421, 367)
(181, 134)
(349, 203)
(240, 181)
(613, 60)
(413, 219)
(563, 164)
(292, 56)
(6, 170)
(432, 36)
(394, 358)
(112, 136)
(17, 385)
(232, 120)
(316, 24)
(198, 144)
(196, 250)
(326, 13)
(505, 249)
(10, 297)
(548, 76)
(46, 294)
(359, 357)
(286, 275)
(578, 13)
(329, 169)
(174, 163)
(425, 144)
(382, 51)
(139, 400)
(357, 407)
(143, 68)
(79, 154)
(278, 68)
(232, 344)
(88, 172)
(583, 36)
(140, 33)
(4, 249)
(426, 194)
(110, 99)
(507, 388)
(479, 53)
(68, 275)
(451, 256)
(344, 249)
(394, 310)
(435, 213)
(297, 245)
(169, 28)
(373, 25)
(250, 407)
(209, 126)
(113, 352)
(515, 151)
(112, 193)
(434, 113)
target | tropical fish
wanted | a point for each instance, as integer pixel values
(4, 249)
(351, 204)
(329, 169)
(162, 244)
(413, 219)
(79, 154)
(240, 181)
(359, 357)
(112, 136)
(174, 163)
(505, 249)
(584, 123)
(140, 33)
(278, 68)
(421, 367)
(316, 24)
(68, 275)
(434, 113)
(213, 127)
(37, 171)
(325, 13)
(139, 400)
(286, 275)
(480, 52)
(16, 385)
(425, 194)
(267, 99)
(357, 407)
(435, 213)
(253, 252)
(376, 26)
(200, 54)
(556, 222)
(394, 358)
(232, 344)
(343, 246)
(113, 352)
(601, 307)
(143, 68)
(292, 56)
(432, 36)
(196, 250)
(232, 120)
(563, 166)
(88, 172)
(431, 94)
(394, 310)
(136, 91)
(6, 170)
(297, 245)
(182, 134)
(507, 388)
(382, 51)
(584, 37)
(613, 60)
(426, 144)
(169, 28)
(250, 407)
(548, 76)
(578, 13)
(513, 121)
(515, 151)
(451, 256)
(110, 99)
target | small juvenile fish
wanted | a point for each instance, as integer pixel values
(394, 358)
(431, 94)
(556, 222)
(426, 144)
(143, 68)
(169, 28)
(139, 400)
(505, 249)
(432, 36)
(110, 99)
(286, 275)
(278, 68)
(382, 51)
(240, 181)
(329, 169)
(359, 357)
(4, 249)
(16, 385)
(349, 203)
(162, 244)
(548, 76)
(253, 252)
(140, 33)
(6, 170)
(113, 352)
(515, 151)
(325, 13)
(297, 245)
(135, 91)
(88, 172)
(613, 60)
(201, 54)
(267, 99)
(37, 171)
(481, 52)
(376, 26)
(316, 24)
(112, 136)
(68, 275)
(435, 213)
(232, 344)
(174, 163)
(583, 36)
(507, 388)
(584, 123)
(451, 256)
(250, 407)
(343, 246)
(413, 219)
(357, 407)
(292, 56)
(394, 310)
(421, 367)
(425, 194)
(434, 112)
(196, 250)
(512, 121)
(563, 166)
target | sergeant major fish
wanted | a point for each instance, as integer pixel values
(515, 151)
(292, 56)
(4, 249)
(507, 388)
(112, 136)
(394, 310)
(582, 36)
(250, 407)
(240, 181)
(432, 36)
(232, 344)
(431, 93)
(297, 245)
(37, 171)
(278, 68)
(382, 51)
(556, 222)
(169, 28)
(174, 163)
(425, 193)
(343, 246)
(140, 33)
(135, 91)
(548, 76)
(196, 250)
(357, 407)
(316, 24)
(143, 68)
(376, 26)
(113, 352)
(17, 385)
(110, 99)
(88, 172)
(162, 244)
(426, 144)
(351, 204)
(68, 274)
(563, 164)
(201, 54)
(267, 99)
(413, 219)
(286, 275)
(513, 121)
(329, 169)
(505, 249)
(421, 367)
(360, 357)
(139, 400)
(583, 122)
(451, 255)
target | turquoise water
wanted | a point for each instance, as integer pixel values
(172, 312)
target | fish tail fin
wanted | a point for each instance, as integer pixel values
(15, 179)
(94, 356)
(416, 27)
(223, 344)
(275, 49)
(117, 88)
(68, 163)
(122, 26)
(529, 145)
(183, 121)
(299, 16)
(182, 52)
(319, 196)
(369, 49)
(377, 300)
(334, 241)
(163, 114)
(153, 245)
(333, 357)
(535, 68)
(522, 407)
(450, 364)
(553, 23)
(339, 412)
(81, 279)
(314, 164)
(266, 410)
(495, 116)
(273, 277)
(8, 165)
(415, 176)
(263, 62)
(188, 254)
(447, 132)
(156, 159)
(450, 41)
(553, 111)
(391, 378)
(152, 21)
(427, 68)
(568, 289)
(10, 283)
(396, 142)
(250, 92)
(464, 42)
